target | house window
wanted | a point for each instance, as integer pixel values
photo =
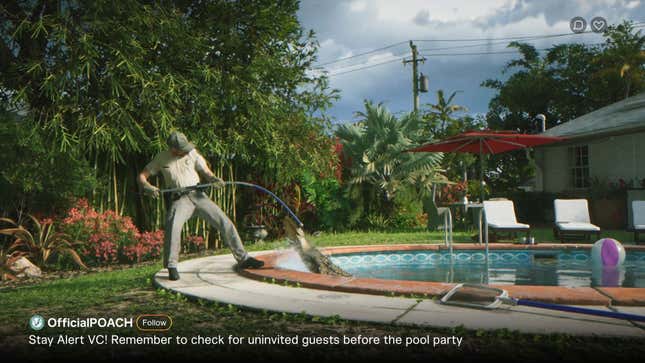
(579, 166)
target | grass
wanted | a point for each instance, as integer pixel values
(129, 292)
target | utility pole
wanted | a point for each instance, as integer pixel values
(415, 76)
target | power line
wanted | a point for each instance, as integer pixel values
(491, 44)
(532, 37)
(366, 67)
(467, 46)
(478, 53)
(362, 54)
(444, 54)
(527, 37)
(485, 40)
(399, 56)
(430, 55)
(426, 55)
(477, 45)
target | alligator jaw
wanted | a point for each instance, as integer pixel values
(296, 235)
(315, 260)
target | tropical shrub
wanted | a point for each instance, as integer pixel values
(102, 233)
(329, 201)
(408, 212)
(42, 242)
(108, 237)
(376, 164)
(377, 222)
(405, 220)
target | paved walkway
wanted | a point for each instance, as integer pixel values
(213, 278)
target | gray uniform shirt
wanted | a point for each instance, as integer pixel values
(178, 172)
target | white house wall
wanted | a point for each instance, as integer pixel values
(555, 172)
(618, 157)
(610, 158)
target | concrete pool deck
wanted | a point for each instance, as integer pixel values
(214, 278)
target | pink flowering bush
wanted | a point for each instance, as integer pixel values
(109, 237)
(148, 245)
(194, 244)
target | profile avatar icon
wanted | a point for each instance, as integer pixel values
(36, 322)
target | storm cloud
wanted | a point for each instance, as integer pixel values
(347, 28)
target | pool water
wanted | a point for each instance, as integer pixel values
(507, 267)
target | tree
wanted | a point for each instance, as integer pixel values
(378, 166)
(622, 61)
(441, 122)
(109, 80)
(568, 81)
(525, 93)
(34, 177)
(576, 92)
(439, 116)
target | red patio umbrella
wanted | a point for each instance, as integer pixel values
(486, 142)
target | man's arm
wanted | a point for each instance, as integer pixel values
(208, 175)
(147, 187)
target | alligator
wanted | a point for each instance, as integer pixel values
(316, 261)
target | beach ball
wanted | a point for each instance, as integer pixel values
(607, 252)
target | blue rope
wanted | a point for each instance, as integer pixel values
(254, 186)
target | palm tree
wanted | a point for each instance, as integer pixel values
(375, 148)
(443, 110)
(623, 56)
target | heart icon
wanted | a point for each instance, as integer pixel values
(598, 24)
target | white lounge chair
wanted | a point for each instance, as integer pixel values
(638, 218)
(572, 219)
(500, 215)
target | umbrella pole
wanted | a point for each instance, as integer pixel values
(481, 171)
(481, 177)
(481, 211)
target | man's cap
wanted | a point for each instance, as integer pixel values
(179, 141)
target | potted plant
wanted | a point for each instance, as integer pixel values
(255, 226)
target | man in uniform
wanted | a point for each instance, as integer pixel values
(181, 166)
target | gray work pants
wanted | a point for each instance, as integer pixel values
(182, 210)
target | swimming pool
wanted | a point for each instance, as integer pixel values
(572, 268)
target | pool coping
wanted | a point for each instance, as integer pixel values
(605, 296)
(216, 278)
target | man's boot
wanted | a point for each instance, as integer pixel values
(250, 262)
(173, 275)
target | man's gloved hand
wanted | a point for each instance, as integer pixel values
(217, 182)
(151, 190)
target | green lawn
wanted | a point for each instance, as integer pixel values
(129, 292)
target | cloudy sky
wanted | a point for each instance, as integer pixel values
(349, 28)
